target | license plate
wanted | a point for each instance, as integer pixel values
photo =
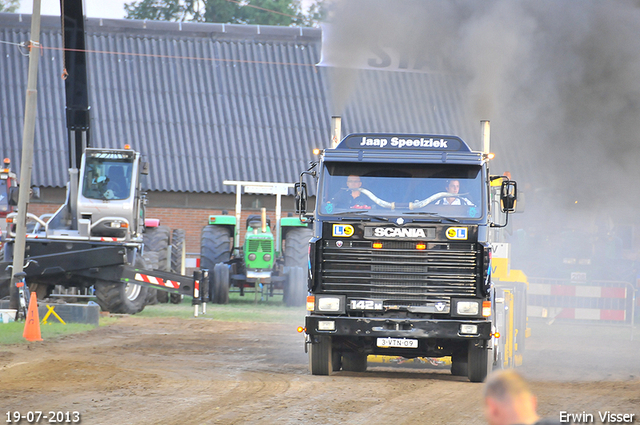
(397, 343)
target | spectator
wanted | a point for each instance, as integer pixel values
(508, 401)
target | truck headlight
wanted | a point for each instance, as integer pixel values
(252, 257)
(266, 257)
(328, 304)
(469, 308)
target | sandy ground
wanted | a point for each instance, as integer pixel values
(201, 371)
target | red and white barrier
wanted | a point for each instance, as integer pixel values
(596, 301)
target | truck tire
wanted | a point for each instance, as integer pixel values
(215, 246)
(354, 362)
(178, 255)
(156, 241)
(221, 283)
(459, 368)
(320, 356)
(295, 287)
(478, 362)
(121, 298)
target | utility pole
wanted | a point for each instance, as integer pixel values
(26, 165)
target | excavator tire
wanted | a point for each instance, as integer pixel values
(122, 298)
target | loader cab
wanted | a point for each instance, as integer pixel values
(107, 201)
(7, 181)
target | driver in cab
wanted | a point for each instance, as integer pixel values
(453, 188)
(352, 197)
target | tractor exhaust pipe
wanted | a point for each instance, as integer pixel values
(264, 220)
(336, 130)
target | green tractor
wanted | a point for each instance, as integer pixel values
(269, 259)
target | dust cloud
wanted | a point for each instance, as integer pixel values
(560, 82)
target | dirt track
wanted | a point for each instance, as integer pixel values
(199, 371)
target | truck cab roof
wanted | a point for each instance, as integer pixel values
(394, 147)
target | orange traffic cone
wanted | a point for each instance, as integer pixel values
(32, 324)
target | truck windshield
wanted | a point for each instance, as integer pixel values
(107, 177)
(449, 190)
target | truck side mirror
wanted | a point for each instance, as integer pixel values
(144, 170)
(508, 196)
(13, 196)
(300, 189)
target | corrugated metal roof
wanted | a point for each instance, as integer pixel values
(209, 102)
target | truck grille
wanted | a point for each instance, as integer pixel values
(400, 273)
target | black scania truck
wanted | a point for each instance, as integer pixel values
(400, 261)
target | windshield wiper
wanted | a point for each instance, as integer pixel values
(366, 217)
(432, 214)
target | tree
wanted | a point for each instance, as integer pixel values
(9, 5)
(254, 12)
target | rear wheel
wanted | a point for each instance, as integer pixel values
(321, 356)
(221, 283)
(295, 287)
(296, 256)
(478, 362)
(156, 241)
(178, 255)
(354, 362)
(116, 297)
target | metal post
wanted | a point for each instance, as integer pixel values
(236, 236)
(27, 151)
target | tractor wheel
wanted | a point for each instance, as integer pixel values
(354, 362)
(295, 287)
(478, 362)
(156, 241)
(215, 246)
(178, 250)
(296, 251)
(221, 283)
(178, 254)
(153, 295)
(122, 298)
(320, 356)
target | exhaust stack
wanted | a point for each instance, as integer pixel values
(485, 137)
(336, 130)
(264, 220)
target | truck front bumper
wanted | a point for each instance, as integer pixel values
(396, 328)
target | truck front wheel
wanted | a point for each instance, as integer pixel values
(320, 356)
(478, 362)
